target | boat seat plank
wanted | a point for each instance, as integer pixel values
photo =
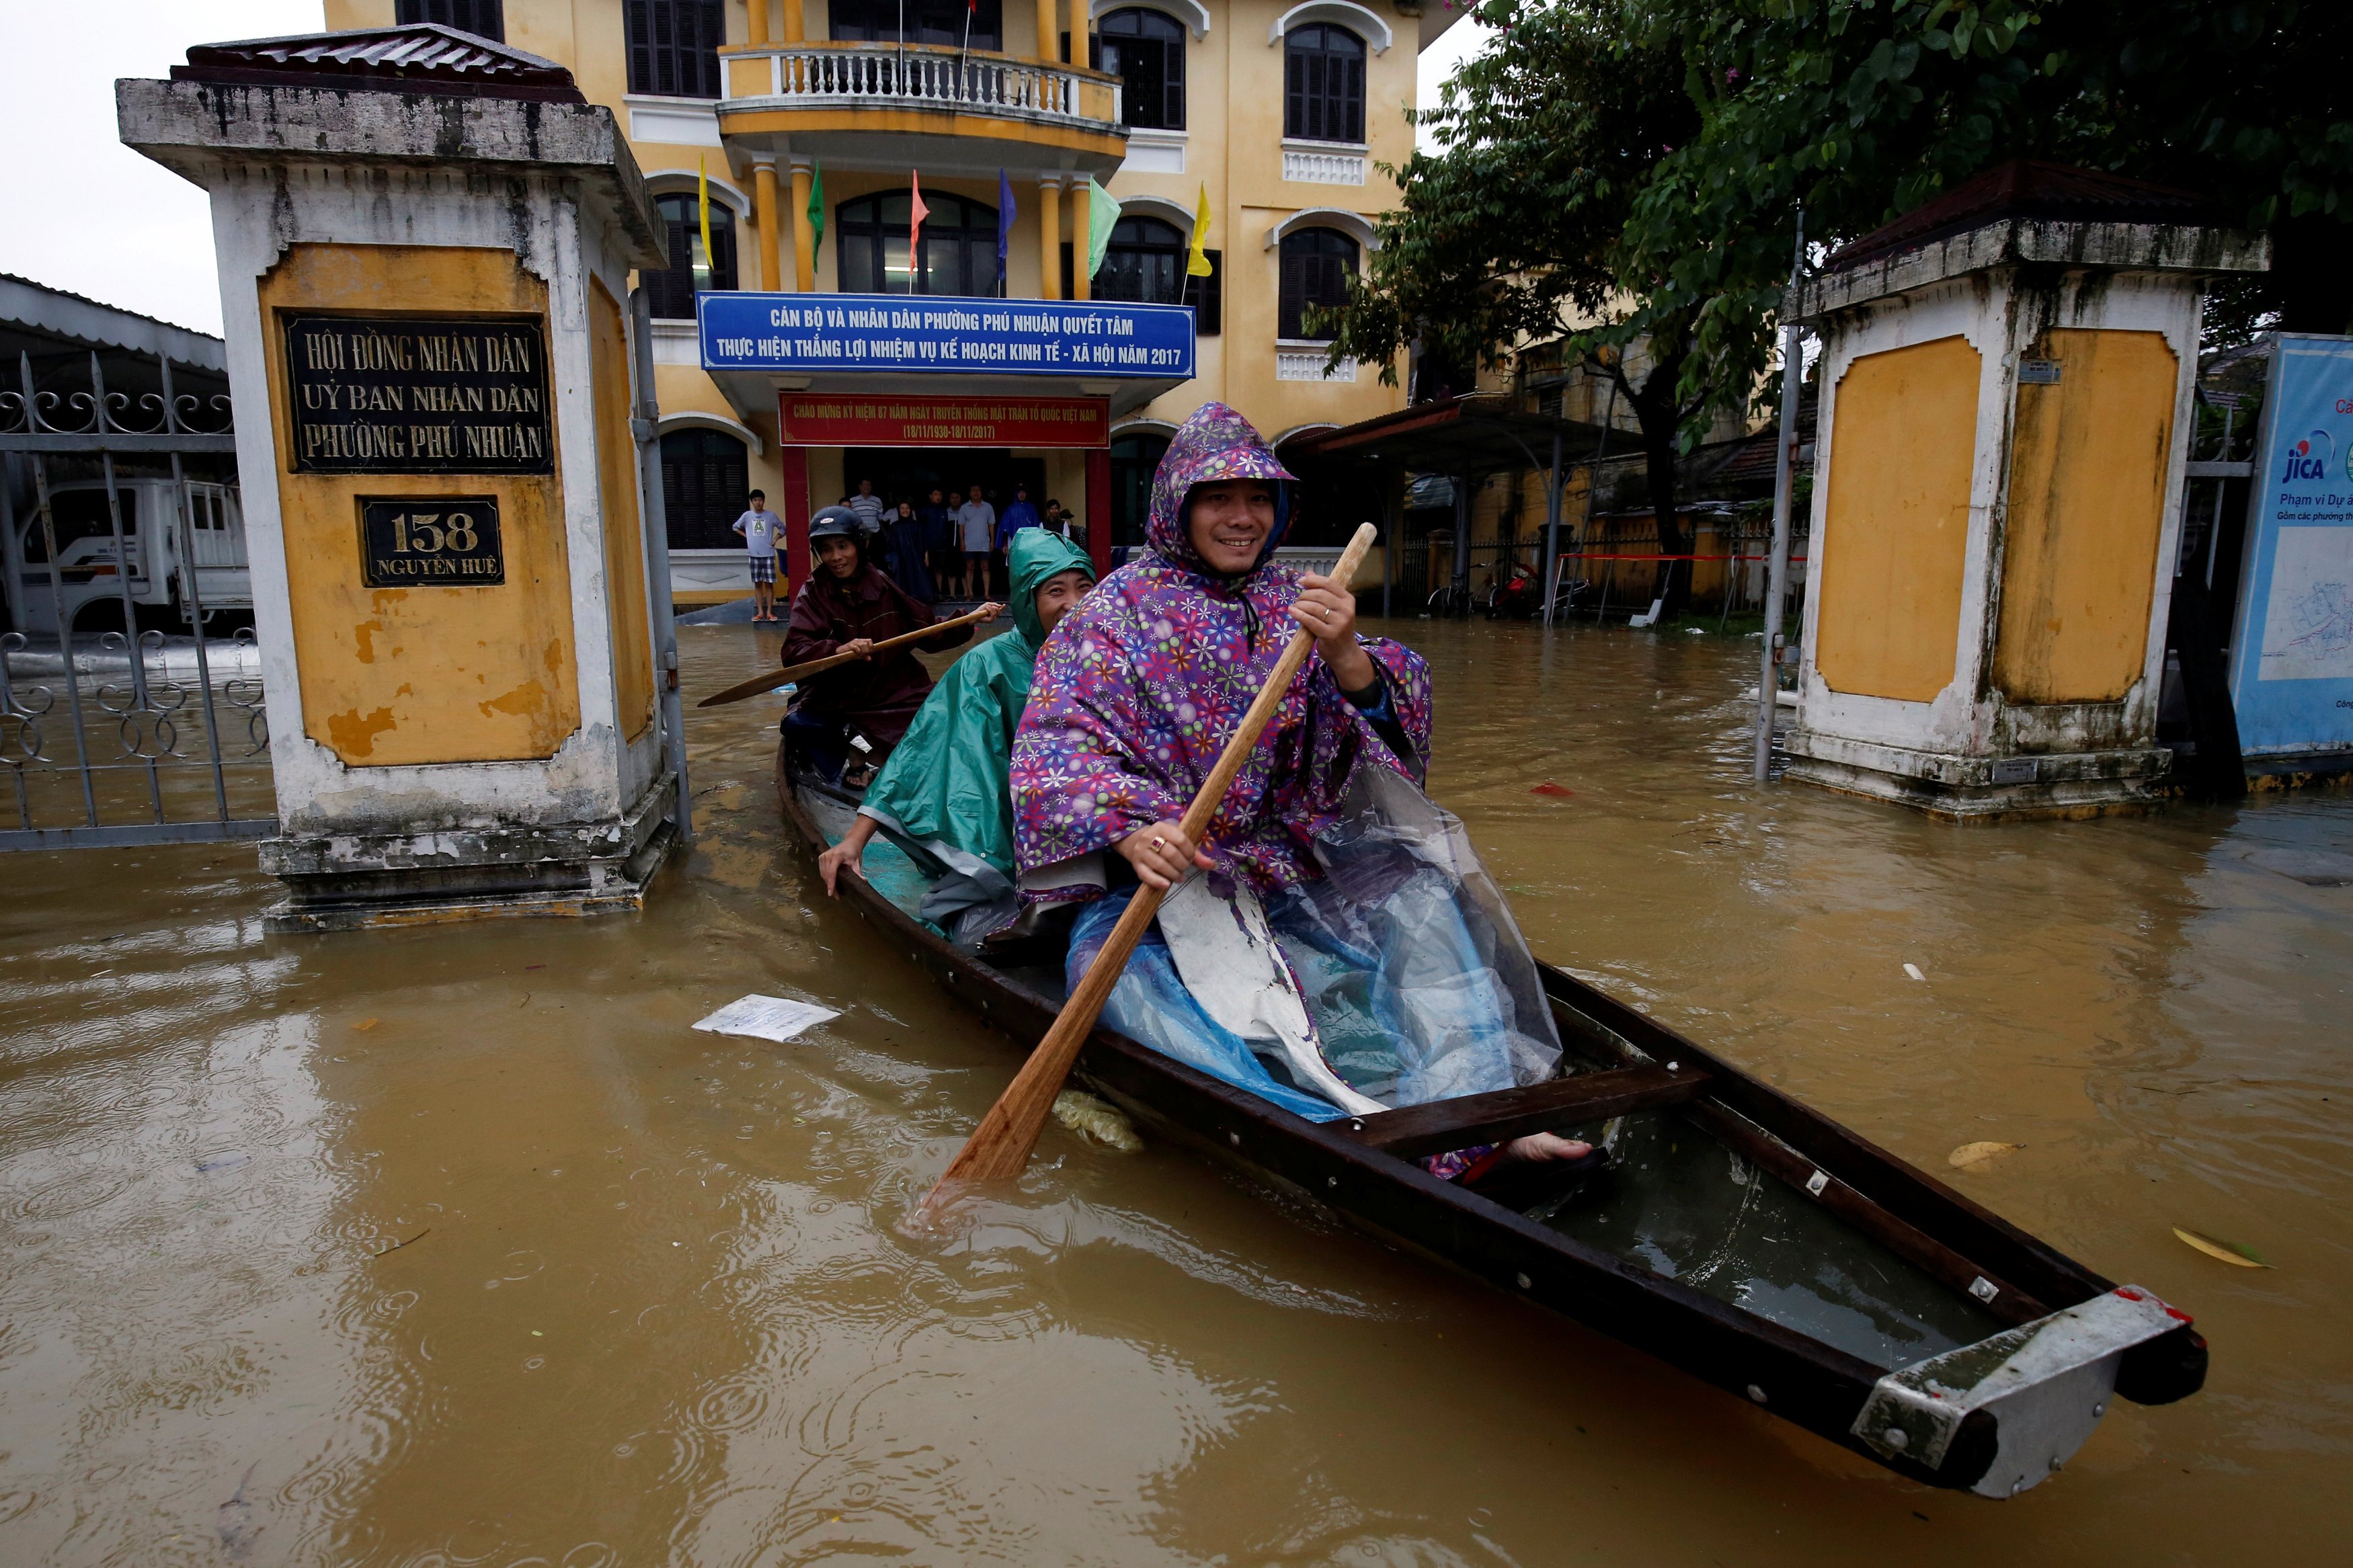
(1442, 1125)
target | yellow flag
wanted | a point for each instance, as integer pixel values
(1198, 264)
(702, 210)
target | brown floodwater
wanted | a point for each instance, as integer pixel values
(456, 1246)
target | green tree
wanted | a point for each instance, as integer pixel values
(1513, 227)
(1568, 174)
(1861, 110)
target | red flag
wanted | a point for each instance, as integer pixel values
(915, 227)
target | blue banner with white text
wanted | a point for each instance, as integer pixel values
(2292, 650)
(921, 333)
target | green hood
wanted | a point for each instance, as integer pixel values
(945, 783)
(1035, 555)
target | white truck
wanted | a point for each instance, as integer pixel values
(87, 575)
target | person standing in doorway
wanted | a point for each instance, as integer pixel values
(869, 508)
(1018, 514)
(940, 536)
(902, 530)
(763, 531)
(976, 524)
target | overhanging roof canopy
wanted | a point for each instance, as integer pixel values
(1467, 436)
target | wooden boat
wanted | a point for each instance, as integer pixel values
(1739, 1235)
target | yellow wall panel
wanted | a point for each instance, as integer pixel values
(405, 676)
(617, 492)
(2086, 502)
(1896, 520)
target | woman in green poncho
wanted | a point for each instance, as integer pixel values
(945, 785)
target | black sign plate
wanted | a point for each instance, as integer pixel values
(418, 394)
(431, 542)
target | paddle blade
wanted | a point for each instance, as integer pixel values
(742, 688)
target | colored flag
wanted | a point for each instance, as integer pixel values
(1103, 217)
(702, 210)
(817, 199)
(1005, 213)
(1198, 264)
(917, 213)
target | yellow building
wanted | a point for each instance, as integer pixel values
(810, 119)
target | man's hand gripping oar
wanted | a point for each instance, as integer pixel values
(999, 1148)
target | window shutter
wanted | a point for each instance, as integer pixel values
(674, 47)
(483, 18)
(1208, 297)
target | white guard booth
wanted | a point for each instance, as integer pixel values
(2007, 376)
(424, 242)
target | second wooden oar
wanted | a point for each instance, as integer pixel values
(1000, 1146)
(775, 678)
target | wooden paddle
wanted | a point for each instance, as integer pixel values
(775, 678)
(999, 1148)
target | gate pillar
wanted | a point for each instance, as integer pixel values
(424, 242)
(2007, 377)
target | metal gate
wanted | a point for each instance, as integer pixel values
(127, 737)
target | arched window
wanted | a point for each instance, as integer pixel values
(483, 18)
(1145, 262)
(1133, 460)
(674, 47)
(1324, 84)
(959, 246)
(705, 480)
(671, 291)
(1146, 49)
(1317, 264)
(928, 22)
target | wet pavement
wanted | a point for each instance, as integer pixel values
(458, 1246)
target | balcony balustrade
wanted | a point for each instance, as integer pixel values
(919, 76)
(854, 101)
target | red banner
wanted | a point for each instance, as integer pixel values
(855, 419)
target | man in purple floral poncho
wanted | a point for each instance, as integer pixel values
(1330, 961)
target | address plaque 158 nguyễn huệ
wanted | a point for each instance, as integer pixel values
(418, 394)
(428, 542)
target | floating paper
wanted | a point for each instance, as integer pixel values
(775, 1019)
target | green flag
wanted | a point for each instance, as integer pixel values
(817, 199)
(1103, 217)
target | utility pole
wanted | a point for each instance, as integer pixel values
(1785, 479)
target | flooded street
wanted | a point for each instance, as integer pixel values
(456, 1246)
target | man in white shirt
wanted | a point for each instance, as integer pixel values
(763, 531)
(976, 526)
(869, 508)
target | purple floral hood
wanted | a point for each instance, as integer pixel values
(1215, 444)
(1139, 687)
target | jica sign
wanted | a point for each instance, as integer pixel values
(2291, 645)
(414, 542)
(416, 395)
